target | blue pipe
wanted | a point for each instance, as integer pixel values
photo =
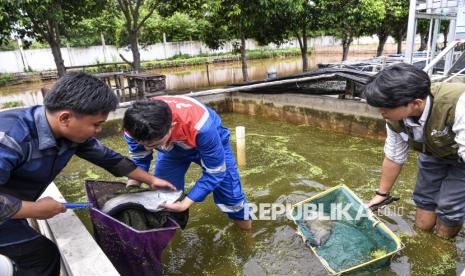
(78, 205)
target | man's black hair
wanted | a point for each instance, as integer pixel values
(81, 93)
(397, 85)
(147, 120)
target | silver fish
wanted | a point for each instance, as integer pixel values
(151, 200)
(320, 230)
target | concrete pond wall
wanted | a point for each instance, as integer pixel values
(344, 116)
(352, 117)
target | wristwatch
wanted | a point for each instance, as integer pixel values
(382, 194)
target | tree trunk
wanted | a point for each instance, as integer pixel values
(399, 42)
(303, 49)
(445, 33)
(245, 74)
(53, 39)
(423, 42)
(345, 47)
(133, 40)
(56, 51)
(382, 41)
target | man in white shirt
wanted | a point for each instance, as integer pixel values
(429, 119)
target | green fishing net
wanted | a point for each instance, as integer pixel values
(353, 237)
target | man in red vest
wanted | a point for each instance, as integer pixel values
(183, 131)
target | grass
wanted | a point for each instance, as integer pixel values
(6, 78)
(181, 60)
(11, 104)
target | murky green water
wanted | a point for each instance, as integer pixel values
(286, 163)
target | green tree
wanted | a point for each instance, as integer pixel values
(399, 26)
(291, 18)
(136, 13)
(231, 19)
(146, 21)
(423, 30)
(48, 20)
(90, 31)
(180, 27)
(399, 34)
(8, 15)
(349, 19)
(444, 29)
(396, 17)
(177, 27)
(152, 31)
(9, 45)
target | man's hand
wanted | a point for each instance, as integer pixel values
(43, 208)
(142, 176)
(375, 200)
(158, 183)
(48, 207)
(390, 170)
(179, 206)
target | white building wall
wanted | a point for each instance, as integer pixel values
(42, 59)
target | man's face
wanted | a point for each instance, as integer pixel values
(412, 109)
(160, 143)
(395, 114)
(79, 128)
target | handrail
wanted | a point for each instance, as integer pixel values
(449, 47)
(454, 75)
(258, 85)
(245, 87)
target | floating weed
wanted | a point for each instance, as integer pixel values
(91, 174)
(254, 170)
(446, 264)
(378, 253)
(316, 171)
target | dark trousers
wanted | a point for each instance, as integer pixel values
(440, 188)
(39, 256)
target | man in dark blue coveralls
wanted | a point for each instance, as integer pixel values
(36, 143)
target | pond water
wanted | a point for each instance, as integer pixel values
(191, 78)
(286, 163)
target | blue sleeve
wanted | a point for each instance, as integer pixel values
(139, 155)
(10, 157)
(95, 152)
(213, 163)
